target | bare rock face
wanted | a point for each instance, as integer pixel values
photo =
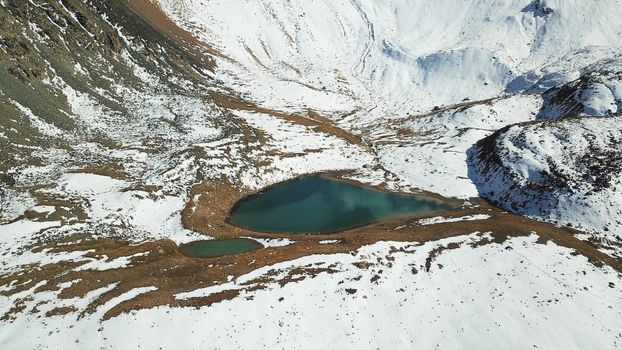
(539, 8)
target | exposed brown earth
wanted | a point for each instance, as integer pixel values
(162, 266)
(208, 208)
(154, 15)
(312, 120)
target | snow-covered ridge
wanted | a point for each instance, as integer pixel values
(596, 92)
(380, 68)
(568, 172)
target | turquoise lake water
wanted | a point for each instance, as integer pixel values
(219, 247)
(316, 204)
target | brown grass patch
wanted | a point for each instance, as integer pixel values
(153, 14)
(163, 267)
(312, 120)
(209, 205)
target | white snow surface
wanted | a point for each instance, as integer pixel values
(441, 219)
(111, 204)
(392, 56)
(489, 296)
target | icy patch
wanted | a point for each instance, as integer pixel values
(330, 241)
(278, 242)
(440, 219)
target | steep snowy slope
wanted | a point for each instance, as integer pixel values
(391, 56)
(596, 92)
(568, 172)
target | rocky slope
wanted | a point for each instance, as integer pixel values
(91, 86)
(568, 172)
(96, 88)
(596, 92)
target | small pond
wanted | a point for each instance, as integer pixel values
(316, 204)
(218, 247)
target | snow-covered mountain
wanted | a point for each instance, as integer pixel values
(375, 66)
(130, 127)
(564, 171)
(391, 58)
